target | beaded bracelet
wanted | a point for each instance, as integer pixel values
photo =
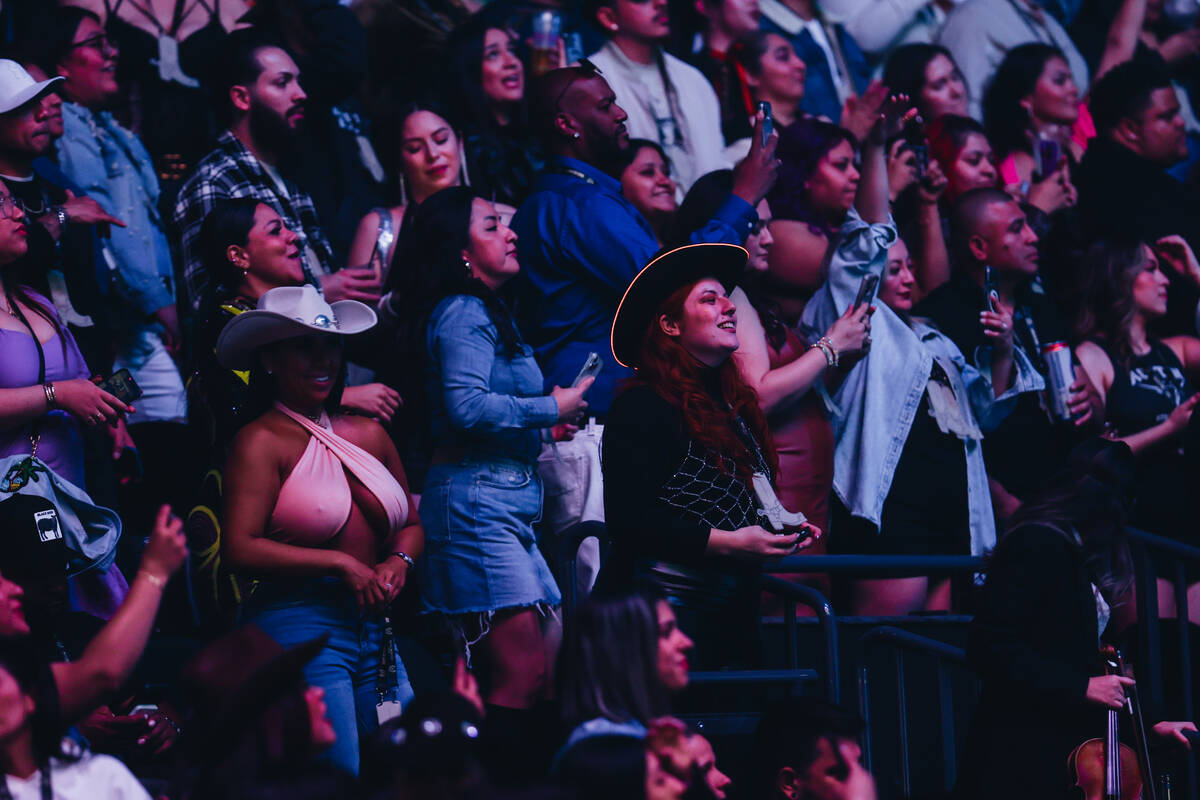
(825, 352)
(829, 343)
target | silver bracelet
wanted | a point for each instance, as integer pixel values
(405, 557)
(48, 389)
(829, 343)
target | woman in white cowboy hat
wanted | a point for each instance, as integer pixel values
(688, 458)
(317, 507)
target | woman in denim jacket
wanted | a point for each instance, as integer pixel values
(487, 413)
(915, 388)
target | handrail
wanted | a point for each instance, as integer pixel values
(1150, 637)
(879, 565)
(798, 592)
(904, 640)
(708, 678)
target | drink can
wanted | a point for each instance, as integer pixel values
(1060, 374)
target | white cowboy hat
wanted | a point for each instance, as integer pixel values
(17, 87)
(283, 313)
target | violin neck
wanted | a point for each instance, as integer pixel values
(1112, 759)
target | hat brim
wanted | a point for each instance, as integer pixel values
(28, 93)
(662, 276)
(250, 330)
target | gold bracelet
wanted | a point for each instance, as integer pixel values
(155, 581)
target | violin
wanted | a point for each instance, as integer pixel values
(1106, 769)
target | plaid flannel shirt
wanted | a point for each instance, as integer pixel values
(230, 171)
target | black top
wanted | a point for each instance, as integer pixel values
(726, 78)
(926, 511)
(1143, 394)
(1034, 643)
(1026, 448)
(502, 164)
(170, 118)
(663, 493)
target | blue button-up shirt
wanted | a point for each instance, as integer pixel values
(580, 245)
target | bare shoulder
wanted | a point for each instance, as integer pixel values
(364, 432)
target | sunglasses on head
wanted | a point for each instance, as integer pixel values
(585, 71)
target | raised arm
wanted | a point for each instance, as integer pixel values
(111, 656)
(1122, 37)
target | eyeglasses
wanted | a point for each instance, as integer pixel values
(586, 71)
(10, 208)
(100, 43)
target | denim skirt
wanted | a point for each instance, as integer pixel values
(480, 551)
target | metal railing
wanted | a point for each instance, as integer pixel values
(902, 641)
(1151, 666)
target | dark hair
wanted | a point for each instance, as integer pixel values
(462, 77)
(387, 134)
(1007, 121)
(964, 216)
(1124, 91)
(609, 661)
(604, 767)
(239, 66)
(430, 252)
(801, 147)
(1091, 495)
(947, 136)
(749, 51)
(19, 657)
(904, 72)
(1106, 273)
(700, 205)
(630, 153)
(55, 31)
(229, 222)
(788, 734)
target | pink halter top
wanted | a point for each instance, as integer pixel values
(314, 501)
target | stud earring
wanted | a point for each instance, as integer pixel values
(467, 264)
(575, 135)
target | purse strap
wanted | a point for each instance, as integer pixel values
(35, 434)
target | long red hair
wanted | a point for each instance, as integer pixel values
(676, 375)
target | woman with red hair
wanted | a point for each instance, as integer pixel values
(687, 456)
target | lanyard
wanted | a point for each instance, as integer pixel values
(385, 673)
(574, 173)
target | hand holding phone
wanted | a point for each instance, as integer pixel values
(768, 121)
(866, 290)
(121, 386)
(591, 368)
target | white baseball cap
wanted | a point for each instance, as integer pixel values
(17, 87)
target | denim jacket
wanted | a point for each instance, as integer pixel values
(480, 399)
(113, 167)
(873, 409)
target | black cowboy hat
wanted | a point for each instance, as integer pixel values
(662, 276)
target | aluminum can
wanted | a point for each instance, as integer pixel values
(1060, 374)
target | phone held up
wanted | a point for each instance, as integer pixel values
(591, 368)
(866, 290)
(768, 121)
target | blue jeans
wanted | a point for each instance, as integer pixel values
(293, 612)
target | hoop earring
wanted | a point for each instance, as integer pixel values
(462, 163)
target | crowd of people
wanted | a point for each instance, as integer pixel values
(326, 324)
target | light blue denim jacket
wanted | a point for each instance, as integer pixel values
(873, 409)
(112, 166)
(480, 399)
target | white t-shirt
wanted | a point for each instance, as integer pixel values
(93, 777)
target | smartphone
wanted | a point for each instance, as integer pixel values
(148, 708)
(376, 263)
(121, 386)
(921, 152)
(989, 288)
(866, 290)
(591, 368)
(768, 121)
(1047, 154)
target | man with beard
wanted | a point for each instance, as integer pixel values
(266, 105)
(581, 243)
